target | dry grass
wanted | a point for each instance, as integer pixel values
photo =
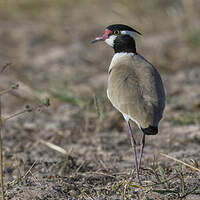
(48, 44)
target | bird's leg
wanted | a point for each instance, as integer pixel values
(142, 143)
(133, 144)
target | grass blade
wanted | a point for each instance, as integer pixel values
(1, 157)
(181, 177)
(162, 173)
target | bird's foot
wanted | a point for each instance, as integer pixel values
(136, 179)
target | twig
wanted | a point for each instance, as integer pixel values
(179, 161)
(87, 196)
(96, 103)
(80, 166)
(103, 164)
(160, 183)
(189, 192)
(154, 196)
(1, 157)
(29, 171)
(5, 67)
(100, 173)
(44, 102)
(54, 147)
(14, 115)
(14, 86)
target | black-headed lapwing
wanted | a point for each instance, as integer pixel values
(135, 87)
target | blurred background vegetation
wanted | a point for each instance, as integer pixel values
(48, 41)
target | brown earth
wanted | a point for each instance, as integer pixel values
(48, 46)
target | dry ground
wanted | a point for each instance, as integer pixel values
(48, 46)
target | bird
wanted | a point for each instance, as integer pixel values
(135, 87)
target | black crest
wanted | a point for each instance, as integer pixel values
(121, 27)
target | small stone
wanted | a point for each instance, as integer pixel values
(29, 126)
(72, 193)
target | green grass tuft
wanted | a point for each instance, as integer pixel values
(68, 98)
(193, 39)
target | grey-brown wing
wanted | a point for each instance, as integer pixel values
(134, 91)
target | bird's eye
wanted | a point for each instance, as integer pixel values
(117, 32)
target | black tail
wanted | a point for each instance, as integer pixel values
(151, 130)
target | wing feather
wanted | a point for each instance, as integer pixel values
(136, 89)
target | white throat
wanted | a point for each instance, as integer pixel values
(110, 40)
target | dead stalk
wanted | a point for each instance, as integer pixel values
(1, 157)
(183, 163)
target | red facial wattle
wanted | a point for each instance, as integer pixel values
(103, 36)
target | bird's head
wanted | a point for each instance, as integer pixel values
(120, 37)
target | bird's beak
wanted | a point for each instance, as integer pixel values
(100, 38)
